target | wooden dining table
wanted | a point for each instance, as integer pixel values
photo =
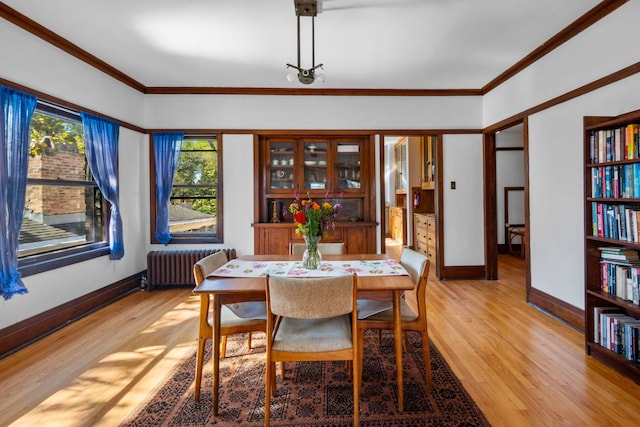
(228, 290)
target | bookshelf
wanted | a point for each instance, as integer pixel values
(612, 241)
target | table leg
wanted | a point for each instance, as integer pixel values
(397, 331)
(215, 353)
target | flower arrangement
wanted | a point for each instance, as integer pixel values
(314, 218)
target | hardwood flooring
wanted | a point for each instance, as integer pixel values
(521, 366)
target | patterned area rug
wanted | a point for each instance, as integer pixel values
(313, 393)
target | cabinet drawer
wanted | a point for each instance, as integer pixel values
(421, 220)
(431, 222)
(431, 239)
(422, 248)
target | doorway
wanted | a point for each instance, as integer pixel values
(506, 196)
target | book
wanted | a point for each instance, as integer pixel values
(618, 253)
(597, 318)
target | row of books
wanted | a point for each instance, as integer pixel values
(609, 145)
(618, 222)
(616, 331)
(617, 181)
(620, 281)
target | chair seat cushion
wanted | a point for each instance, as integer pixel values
(228, 318)
(249, 310)
(313, 335)
(369, 307)
(407, 314)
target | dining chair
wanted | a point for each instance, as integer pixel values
(417, 265)
(324, 248)
(229, 322)
(311, 319)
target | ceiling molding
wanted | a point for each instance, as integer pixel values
(65, 45)
(65, 104)
(576, 27)
(586, 20)
(582, 90)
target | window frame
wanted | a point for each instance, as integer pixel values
(191, 237)
(40, 263)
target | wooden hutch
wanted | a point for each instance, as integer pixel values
(336, 167)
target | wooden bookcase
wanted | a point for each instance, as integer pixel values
(610, 205)
(341, 166)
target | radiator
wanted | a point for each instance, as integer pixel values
(175, 268)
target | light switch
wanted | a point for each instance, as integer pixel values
(453, 185)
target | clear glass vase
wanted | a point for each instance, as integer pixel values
(311, 259)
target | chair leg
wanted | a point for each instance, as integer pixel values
(427, 358)
(199, 363)
(267, 393)
(356, 389)
(223, 346)
(249, 340)
(358, 370)
(282, 370)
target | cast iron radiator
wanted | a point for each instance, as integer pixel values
(175, 268)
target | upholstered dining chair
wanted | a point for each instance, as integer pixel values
(311, 319)
(417, 265)
(229, 323)
(328, 248)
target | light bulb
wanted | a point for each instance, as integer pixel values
(291, 76)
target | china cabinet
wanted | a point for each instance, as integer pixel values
(337, 168)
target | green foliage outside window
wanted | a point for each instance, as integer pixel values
(196, 180)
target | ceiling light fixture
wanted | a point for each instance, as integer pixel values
(308, 75)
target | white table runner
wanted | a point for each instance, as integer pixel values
(242, 268)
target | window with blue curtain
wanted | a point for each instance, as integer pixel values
(166, 152)
(17, 109)
(65, 215)
(101, 145)
(194, 198)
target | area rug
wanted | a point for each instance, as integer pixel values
(313, 393)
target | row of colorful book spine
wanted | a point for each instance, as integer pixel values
(616, 181)
(610, 145)
(616, 331)
(620, 280)
(616, 221)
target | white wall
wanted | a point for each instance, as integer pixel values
(56, 287)
(312, 112)
(556, 139)
(29, 61)
(463, 214)
(606, 47)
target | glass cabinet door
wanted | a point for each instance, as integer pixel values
(281, 175)
(315, 165)
(429, 143)
(349, 156)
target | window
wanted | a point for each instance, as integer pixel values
(64, 210)
(195, 204)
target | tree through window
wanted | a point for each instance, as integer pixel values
(195, 203)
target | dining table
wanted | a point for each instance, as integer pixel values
(229, 289)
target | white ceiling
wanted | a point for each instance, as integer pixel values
(363, 44)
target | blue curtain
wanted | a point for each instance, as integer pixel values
(101, 148)
(166, 150)
(17, 109)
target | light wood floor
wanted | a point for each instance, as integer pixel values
(521, 366)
